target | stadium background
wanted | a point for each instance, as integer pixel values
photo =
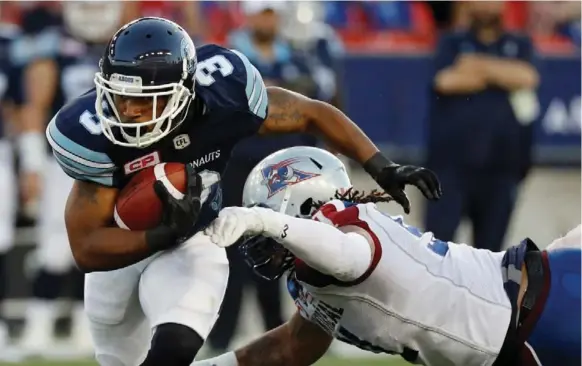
(384, 79)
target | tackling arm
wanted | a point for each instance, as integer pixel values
(345, 254)
(295, 343)
(326, 249)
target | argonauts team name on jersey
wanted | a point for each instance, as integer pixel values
(206, 159)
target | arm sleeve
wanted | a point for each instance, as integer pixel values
(78, 161)
(255, 89)
(344, 256)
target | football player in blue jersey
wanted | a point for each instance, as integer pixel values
(8, 191)
(53, 78)
(160, 99)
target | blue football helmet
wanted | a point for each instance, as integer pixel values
(152, 58)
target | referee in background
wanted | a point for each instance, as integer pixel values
(482, 108)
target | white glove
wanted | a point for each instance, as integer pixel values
(234, 222)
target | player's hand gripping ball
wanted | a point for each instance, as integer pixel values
(138, 207)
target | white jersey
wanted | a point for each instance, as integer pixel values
(432, 302)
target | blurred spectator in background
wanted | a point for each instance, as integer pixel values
(261, 41)
(320, 45)
(8, 193)
(562, 17)
(186, 13)
(64, 70)
(480, 135)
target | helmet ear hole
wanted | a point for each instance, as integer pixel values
(305, 208)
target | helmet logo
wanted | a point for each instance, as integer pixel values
(281, 175)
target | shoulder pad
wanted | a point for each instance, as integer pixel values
(232, 80)
(327, 212)
(78, 144)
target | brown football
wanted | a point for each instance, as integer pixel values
(138, 206)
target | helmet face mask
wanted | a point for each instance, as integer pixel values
(267, 258)
(161, 67)
(140, 134)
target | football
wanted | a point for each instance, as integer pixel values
(138, 206)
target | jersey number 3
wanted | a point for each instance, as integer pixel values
(208, 67)
(91, 123)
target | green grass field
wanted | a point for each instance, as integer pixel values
(328, 361)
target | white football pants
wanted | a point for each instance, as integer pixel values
(185, 285)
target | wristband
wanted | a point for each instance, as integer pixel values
(160, 238)
(376, 164)
(32, 151)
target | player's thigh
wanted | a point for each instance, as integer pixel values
(109, 295)
(8, 196)
(185, 286)
(125, 343)
(53, 244)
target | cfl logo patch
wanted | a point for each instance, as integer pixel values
(181, 141)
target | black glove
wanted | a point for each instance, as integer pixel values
(179, 216)
(393, 178)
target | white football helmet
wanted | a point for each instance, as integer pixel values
(289, 180)
(93, 21)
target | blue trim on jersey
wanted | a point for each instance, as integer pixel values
(411, 229)
(436, 245)
(77, 161)
(106, 180)
(255, 88)
(72, 150)
(80, 168)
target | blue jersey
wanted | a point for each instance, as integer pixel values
(7, 80)
(232, 100)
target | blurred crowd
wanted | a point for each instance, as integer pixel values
(52, 49)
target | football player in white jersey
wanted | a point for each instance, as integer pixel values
(368, 279)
